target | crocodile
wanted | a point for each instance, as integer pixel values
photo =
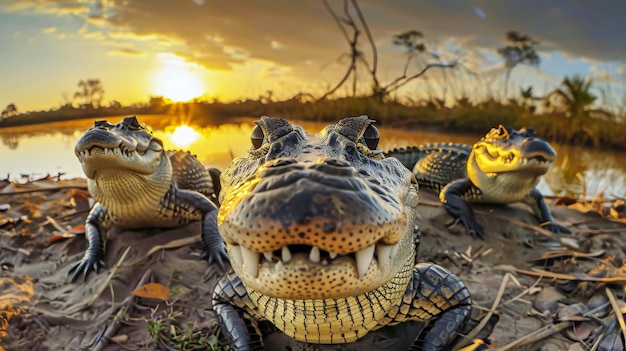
(136, 183)
(503, 167)
(320, 230)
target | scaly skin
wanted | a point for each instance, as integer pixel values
(137, 184)
(321, 235)
(503, 167)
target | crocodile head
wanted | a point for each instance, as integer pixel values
(127, 145)
(515, 158)
(317, 216)
(124, 164)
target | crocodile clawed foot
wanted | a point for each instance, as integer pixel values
(217, 256)
(84, 267)
(471, 227)
(555, 228)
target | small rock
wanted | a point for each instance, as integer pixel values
(547, 299)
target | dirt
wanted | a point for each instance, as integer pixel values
(41, 238)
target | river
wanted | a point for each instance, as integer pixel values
(31, 152)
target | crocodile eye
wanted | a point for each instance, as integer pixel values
(257, 137)
(528, 132)
(101, 124)
(133, 123)
(502, 131)
(371, 136)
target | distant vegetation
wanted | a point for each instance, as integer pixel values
(567, 114)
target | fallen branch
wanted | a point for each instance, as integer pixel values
(535, 336)
(174, 244)
(86, 304)
(472, 334)
(572, 277)
(60, 187)
(111, 329)
(617, 310)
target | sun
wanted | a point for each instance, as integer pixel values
(177, 79)
(184, 135)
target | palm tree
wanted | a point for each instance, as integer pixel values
(521, 50)
(528, 96)
(576, 99)
(576, 96)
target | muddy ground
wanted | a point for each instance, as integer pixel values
(550, 292)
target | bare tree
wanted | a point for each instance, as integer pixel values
(356, 55)
(409, 40)
(413, 42)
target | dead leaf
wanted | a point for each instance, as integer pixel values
(59, 237)
(78, 229)
(154, 291)
(565, 201)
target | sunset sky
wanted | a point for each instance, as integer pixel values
(238, 49)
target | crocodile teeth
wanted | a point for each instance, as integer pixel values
(285, 254)
(364, 259)
(384, 253)
(235, 254)
(314, 256)
(250, 261)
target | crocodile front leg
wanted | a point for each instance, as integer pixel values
(213, 248)
(93, 259)
(241, 330)
(536, 201)
(453, 198)
(443, 300)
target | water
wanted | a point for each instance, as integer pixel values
(35, 151)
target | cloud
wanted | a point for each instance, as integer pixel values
(59, 7)
(125, 52)
(49, 30)
(302, 37)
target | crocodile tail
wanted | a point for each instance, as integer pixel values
(190, 174)
(408, 156)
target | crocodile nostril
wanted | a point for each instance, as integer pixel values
(337, 162)
(281, 162)
(335, 166)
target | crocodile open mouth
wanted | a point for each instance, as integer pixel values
(252, 261)
(118, 151)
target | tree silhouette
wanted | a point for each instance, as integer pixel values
(356, 56)
(90, 93)
(528, 97)
(411, 40)
(520, 50)
(9, 111)
(576, 97)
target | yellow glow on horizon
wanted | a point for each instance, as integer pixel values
(177, 79)
(184, 136)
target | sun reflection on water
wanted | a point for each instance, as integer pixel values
(184, 135)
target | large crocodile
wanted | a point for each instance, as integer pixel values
(138, 184)
(321, 235)
(503, 167)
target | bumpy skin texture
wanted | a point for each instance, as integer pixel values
(503, 167)
(137, 184)
(321, 235)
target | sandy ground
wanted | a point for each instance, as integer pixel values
(568, 309)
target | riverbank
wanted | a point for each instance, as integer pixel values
(550, 291)
(474, 118)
